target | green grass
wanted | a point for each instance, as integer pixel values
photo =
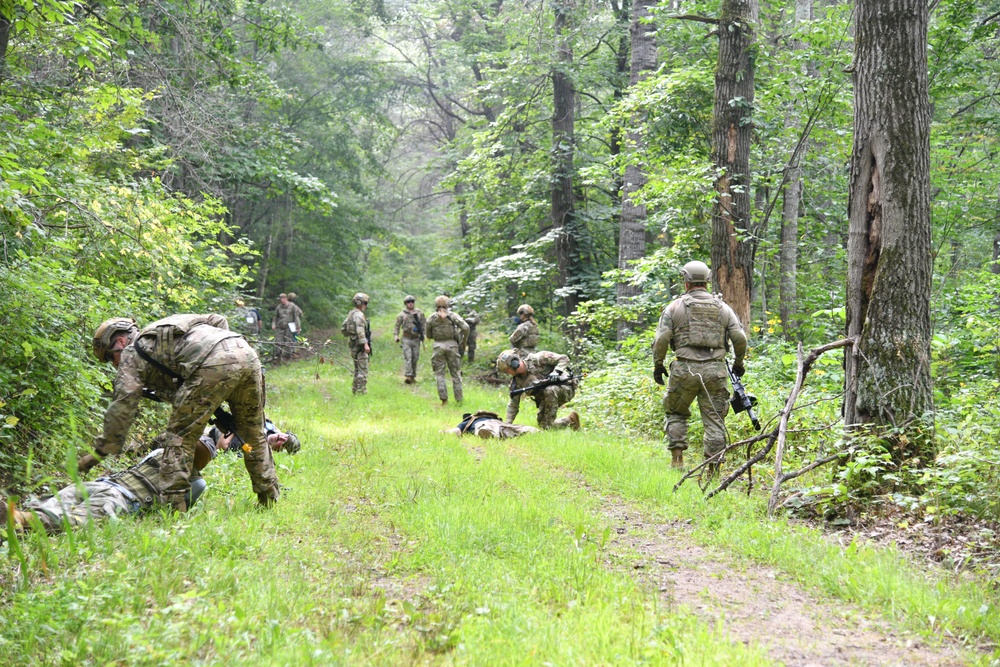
(393, 543)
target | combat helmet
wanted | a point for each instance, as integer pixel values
(409, 298)
(360, 298)
(696, 272)
(510, 359)
(107, 330)
(292, 444)
(442, 302)
(524, 310)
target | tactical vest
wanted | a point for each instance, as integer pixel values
(182, 343)
(142, 479)
(529, 341)
(701, 324)
(410, 327)
(444, 328)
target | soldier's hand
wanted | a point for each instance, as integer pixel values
(86, 462)
(738, 369)
(658, 372)
(397, 339)
(553, 376)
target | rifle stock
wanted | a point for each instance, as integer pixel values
(742, 400)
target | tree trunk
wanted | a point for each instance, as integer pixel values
(888, 380)
(563, 118)
(632, 234)
(733, 247)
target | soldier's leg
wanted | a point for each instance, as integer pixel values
(247, 403)
(713, 404)
(281, 339)
(439, 363)
(76, 506)
(455, 369)
(548, 406)
(360, 384)
(560, 395)
(472, 351)
(409, 369)
(681, 392)
(415, 347)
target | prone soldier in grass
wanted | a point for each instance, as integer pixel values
(698, 327)
(448, 331)
(546, 378)
(196, 363)
(409, 332)
(358, 332)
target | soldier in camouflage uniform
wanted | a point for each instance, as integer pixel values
(249, 319)
(358, 332)
(411, 325)
(698, 328)
(448, 331)
(130, 491)
(525, 336)
(285, 314)
(534, 368)
(196, 363)
(473, 320)
(487, 425)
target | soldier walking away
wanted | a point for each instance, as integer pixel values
(698, 327)
(131, 491)
(359, 334)
(196, 363)
(525, 336)
(553, 370)
(448, 331)
(473, 320)
(286, 323)
(250, 321)
(409, 332)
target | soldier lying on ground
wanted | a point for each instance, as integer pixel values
(133, 490)
(231, 442)
(489, 425)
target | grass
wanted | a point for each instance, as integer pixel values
(393, 543)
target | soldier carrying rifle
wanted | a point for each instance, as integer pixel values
(546, 378)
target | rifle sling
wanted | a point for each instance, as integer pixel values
(159, 366)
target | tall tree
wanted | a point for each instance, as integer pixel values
(733, 243)
(563, 140)
(888, 379)
(632, 234)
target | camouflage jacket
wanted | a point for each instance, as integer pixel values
(408, 322)
(472, 319)
(539, 366)
(677, 320)
(354, 327)
(443, 326)
(284, 314)
(525, 336)
(181, 343)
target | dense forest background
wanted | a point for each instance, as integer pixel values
(160, 156)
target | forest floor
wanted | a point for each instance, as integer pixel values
(396, 544)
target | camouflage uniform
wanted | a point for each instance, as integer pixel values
(130, 491)
(249, 319)
(217, 365)
(410, 328)
(284, 314)
(525, 337)
(487, 425)
(473, 320)
(354, 328)
(448, 331)
(696, 326)
(539, 366)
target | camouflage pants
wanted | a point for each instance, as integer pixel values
(471, 346)
(79, 505)
(549, 401)
(708, 382)
(284, 340)
(446, 356)
(360, 384)
(411, 355)
(231, 374)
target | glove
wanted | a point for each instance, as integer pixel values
(269, 497)
(738, 369)
(86, 462)
(554, 375)
(658, 372)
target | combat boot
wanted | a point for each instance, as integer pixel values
(409, 380)
(444, 402)
(574, 420)
(677, 458)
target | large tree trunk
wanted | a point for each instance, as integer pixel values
(563, 118)
(733, 247)
(791, 205)
(888, 380)
(632, 230)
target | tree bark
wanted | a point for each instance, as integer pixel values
(632, 229)
(733, 246)
(563, 119)
(888, 380)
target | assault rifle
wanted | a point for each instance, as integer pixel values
(742, 400)
(542, 385)
(368, 338)
(418, 328)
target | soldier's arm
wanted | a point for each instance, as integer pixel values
(298, 317)
(399, 325)
(513, 407)
(274, 320)
(124, 404)
(664, 332)
(516, 337)
(465, 329)
(739, 339)
(559, 361)
(217, 321)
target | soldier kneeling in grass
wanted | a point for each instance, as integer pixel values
(546, 378)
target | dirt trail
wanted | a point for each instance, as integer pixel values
(755, 604)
